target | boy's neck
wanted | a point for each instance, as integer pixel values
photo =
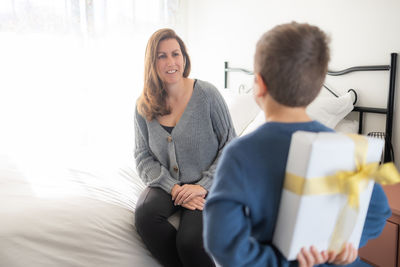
(279, 113)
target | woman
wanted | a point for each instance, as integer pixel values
(181, 127)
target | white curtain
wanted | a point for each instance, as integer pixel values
(71, 71)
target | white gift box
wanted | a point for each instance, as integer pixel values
(311, 219)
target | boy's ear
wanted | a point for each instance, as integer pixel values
(262, 87)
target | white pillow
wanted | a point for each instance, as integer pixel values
(257, 122)
(347, 126)
(330, 110)
(242, 107)
(326, 109)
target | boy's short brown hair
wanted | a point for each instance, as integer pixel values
(293, 60)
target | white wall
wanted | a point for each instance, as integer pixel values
(363, 32)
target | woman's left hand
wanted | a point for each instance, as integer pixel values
(187, 192)
(197, 203)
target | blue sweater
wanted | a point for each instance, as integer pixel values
(242, 207)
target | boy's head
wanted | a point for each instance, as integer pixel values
(292, 60)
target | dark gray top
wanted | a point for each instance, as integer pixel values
(190, 153)
(168, 128)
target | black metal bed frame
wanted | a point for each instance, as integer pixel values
(388, 111)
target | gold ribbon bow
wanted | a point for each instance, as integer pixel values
(350, 183)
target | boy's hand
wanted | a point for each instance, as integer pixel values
(309, 258)
(313, 257)
(346, 256)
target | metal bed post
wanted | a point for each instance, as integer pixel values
(389, 122)
(388, 111)
(226, 75)
(360, 121)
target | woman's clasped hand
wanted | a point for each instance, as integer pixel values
(189, 196)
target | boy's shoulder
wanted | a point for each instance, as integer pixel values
(249, 141)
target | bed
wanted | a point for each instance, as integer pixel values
(330, 108)
(79, 211)
(79, 217)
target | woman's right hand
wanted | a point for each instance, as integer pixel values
(175, 190)
(194, 203)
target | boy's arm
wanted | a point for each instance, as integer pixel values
(378, 212)
(227, 237)
(227, 228)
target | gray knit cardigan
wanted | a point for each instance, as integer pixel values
(190, 153)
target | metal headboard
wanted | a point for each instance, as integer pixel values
(388, 111)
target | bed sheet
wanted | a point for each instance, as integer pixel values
(80, 224)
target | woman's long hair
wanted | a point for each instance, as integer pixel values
(152, 102)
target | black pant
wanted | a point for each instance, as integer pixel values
(171, 247)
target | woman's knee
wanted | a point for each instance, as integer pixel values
(152, 209)
(144, 213)
(141, 216)
(191, 251)
(189, 242)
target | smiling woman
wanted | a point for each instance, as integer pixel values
(165, 55)
(170, 61)
(181, 127)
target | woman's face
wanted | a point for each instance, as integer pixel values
(170, 62)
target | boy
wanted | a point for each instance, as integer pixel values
(290, 65)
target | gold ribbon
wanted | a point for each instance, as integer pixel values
(350, 183)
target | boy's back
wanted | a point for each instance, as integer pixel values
(260, 160)
(244, 200)
(249, 180)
